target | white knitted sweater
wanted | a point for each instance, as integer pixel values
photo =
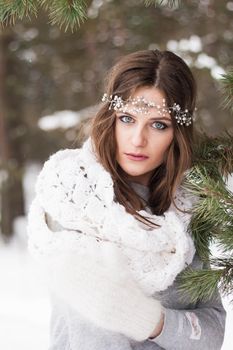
(74, 191)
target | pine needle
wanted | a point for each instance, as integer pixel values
(216, 154)
(212, 213)
(169, 3)
(203, 284)
(66, 13)
(212, 219)
(227, 82)
(199, 285)
(10, 10)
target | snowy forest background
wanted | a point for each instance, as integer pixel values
(50, 83)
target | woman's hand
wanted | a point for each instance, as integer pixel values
(159, 327)
(99, 286)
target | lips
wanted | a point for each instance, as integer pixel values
(134, 156)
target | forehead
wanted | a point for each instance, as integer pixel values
(148, 101)
(152, 94)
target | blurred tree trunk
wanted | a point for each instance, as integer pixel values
(11, 195)
(4, 143)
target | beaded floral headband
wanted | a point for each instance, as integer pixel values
(141, 105)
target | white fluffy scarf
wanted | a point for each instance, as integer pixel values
(75, 191)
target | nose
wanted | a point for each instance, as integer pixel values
(138, 137)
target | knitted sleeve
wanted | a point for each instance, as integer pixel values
(94, 280)
(191, 326)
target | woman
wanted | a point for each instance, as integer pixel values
(110, 220)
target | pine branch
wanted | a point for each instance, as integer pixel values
(201, 233)
(227, 82)
(226, 281)
(199, 285)
(12, 9)
(212, 213)
(199, 182)
(169, 3)
(203, 284)
(225, 238)
(216, 154)
(66, 13)
(212, 219)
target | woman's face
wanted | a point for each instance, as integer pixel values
(143, 139)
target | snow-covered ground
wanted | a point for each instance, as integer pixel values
(24, 302)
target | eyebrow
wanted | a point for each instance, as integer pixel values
(161, 118)
(151, 119)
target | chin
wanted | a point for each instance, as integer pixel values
(132, 172)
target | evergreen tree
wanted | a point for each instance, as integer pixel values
(212, 219)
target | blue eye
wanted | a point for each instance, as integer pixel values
(159, 125)
(126, 119)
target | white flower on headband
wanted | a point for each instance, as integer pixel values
(141, 105)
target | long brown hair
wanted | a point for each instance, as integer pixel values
(170, 74)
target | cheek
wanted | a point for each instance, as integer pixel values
(162, 145)
(119, 134)
(168, 140)
(118, 138)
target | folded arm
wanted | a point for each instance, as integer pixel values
(92, 277)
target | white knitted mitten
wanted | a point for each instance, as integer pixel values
(98, 285)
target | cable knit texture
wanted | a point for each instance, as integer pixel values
(96, 241)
